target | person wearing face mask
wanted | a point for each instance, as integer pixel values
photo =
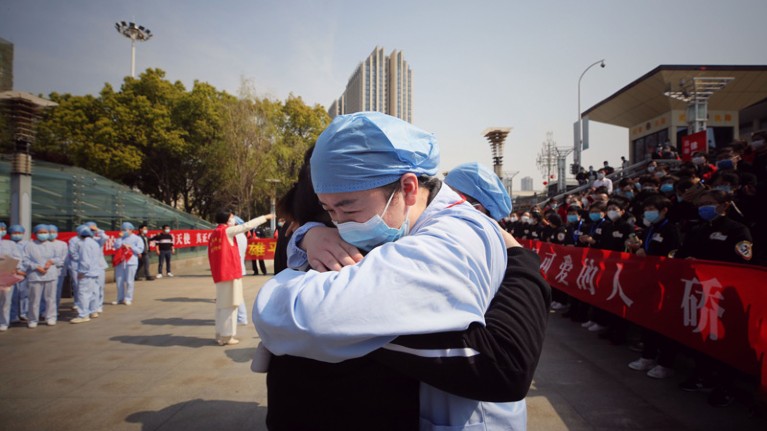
(227, 269)
(660, 238)
(8, 249)
(721, 239)
(101, 239)
(164, 242)
(143, 260)
(39, 261)
(603, 181)
(618, 225)
(667, 187)
(595, 228)
(703, 168)
(432, 261)
(125, 270)
(20, 301)
(86, 257)
(61, 253)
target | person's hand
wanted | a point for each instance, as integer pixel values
(42, 270)
(640, 252)
(586, 239)
(269, 216)
(157, 252)
(80, 275)
(326, 250)
(172, 251)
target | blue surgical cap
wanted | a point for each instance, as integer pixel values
(365, 150)
(238, 220)
(482, 184)
(84, 230)
(90, 224)
(127, 225)
(53, 228)
(2, 224)
(16, 228)
(39, 227)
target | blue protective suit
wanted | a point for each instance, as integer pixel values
(441, 277)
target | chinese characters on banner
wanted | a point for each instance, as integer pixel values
(714, 307)
(258, 248)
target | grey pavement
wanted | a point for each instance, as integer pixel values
(155, 366)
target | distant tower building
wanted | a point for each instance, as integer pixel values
(380, 83)
(527, 184)
(6, 65)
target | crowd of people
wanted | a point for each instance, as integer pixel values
(711, 207)
(44, 263)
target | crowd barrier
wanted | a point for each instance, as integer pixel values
(717, 308)
(258, 248)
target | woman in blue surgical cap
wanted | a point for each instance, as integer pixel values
(125, 271)
(433, 263)
(40, 262)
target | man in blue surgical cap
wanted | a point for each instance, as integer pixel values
(125, 270)
(434, 263)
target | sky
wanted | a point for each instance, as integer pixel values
(475, 64)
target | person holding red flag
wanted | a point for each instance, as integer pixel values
(226, 269)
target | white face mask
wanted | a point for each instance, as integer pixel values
(697, 161)
(613, 215)
(601, 176)
(525, 219)
(166, 230)
(514, 219)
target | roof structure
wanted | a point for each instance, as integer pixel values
(647, 98)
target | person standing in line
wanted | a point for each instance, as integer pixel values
(164, 246)
(8, 249)
(143, 260)
(226, 268)
(101, 239)
(125, 270)
(39, 261)
(61, 251)
(20, 300)
(86, 264)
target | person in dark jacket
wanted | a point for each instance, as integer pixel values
(380, 390)
(165, 249)
(661, 238)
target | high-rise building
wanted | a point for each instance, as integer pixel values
(380, 83)
(6, 65)
(527, 184)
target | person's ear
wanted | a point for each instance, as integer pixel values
(409, 185)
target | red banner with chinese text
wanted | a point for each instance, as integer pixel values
(692, 144)
(714, 307)
(258, 248)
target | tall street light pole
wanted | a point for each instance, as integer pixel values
(579, 141)
(274, 182)
(134, 33)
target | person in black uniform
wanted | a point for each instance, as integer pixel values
(660, 238)
(260, 233)
(617, 228)
(722, 239)
(143, 260)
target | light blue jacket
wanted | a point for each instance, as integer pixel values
(441, 277)
(35, 254)
(136, 244)
(86, 258)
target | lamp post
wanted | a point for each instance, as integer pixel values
(134, 33)
(274, 182)
(579, 138)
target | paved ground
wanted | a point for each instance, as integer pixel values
(154, 366)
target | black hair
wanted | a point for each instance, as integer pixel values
(223, 216)
(165, 226)
(657, 201)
